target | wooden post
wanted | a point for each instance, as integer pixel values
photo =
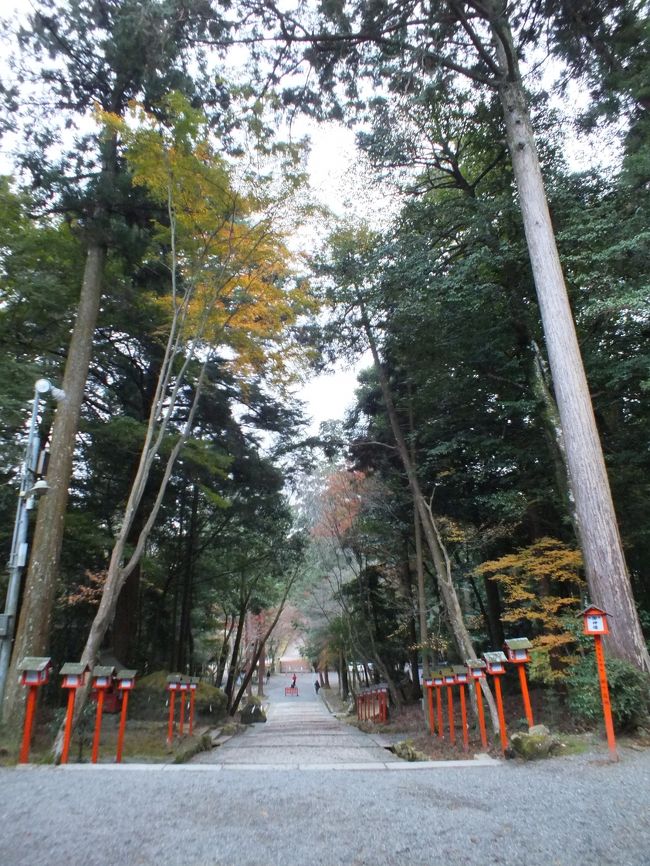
(604, 694)
(481, 714)
(450, 711)
(439, 709)
(432, 720)
(502, 719)
(170, 727)
(68, 725)
(27, 730)
(463, 715)
(120, 736)
(524, 693)
(191, 711)
(98, 724)
(181, 713)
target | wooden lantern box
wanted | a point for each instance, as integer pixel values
(496, 662)
(517, 650)
(34, 671)
(476, 668)
(74, 675)
(594, 620)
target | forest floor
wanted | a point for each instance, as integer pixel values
(407, 725)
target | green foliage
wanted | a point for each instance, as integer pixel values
(149, 698)
(629, 692)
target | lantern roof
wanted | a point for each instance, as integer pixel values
(518, 643)
(475, 663)
(495, 658)
(592, 609)
(103, 671)
(34, 663)
(74, 669)
(125, 674)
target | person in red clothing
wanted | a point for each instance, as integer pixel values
(293, 681)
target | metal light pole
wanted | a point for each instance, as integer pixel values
(26, 498)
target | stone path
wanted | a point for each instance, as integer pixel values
(297, 734)
(301, 734)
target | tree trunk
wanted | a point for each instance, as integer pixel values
(225, 652)
(419, 568)
(232, 672)
(262, 671)
(343, 678)
(34, 624)
(434, 542)
(606, 570)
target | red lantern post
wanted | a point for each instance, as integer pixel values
(125, 683)
(182, 688)
(74, 676)
(476, 669)
(428, 685)
(102, 681)
(496, 666)
(173, 682)
(450, 681)
(461, 681)
(517, 653)
(193, 685)
(35, 672)
(595, 624)
(438, 681)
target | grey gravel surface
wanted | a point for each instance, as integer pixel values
(246, 811)
(563, 812)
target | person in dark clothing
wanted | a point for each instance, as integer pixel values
(317, 686)
(293, 681)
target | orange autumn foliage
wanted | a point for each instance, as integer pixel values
(541, 586)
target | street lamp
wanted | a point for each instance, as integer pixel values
(30, 489)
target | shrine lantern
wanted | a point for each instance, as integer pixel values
(74, 677)
(594, 621)
(476, 668)
(34, 672)
(102, 682)
(517, 650)
(496, 666)
(496, 662)
(125, 683)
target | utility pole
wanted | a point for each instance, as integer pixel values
(30, 489)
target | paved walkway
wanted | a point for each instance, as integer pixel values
(301, 734)
(299, 731)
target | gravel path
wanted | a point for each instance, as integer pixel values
(563, 812)
(574, 811)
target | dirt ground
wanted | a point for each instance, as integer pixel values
(408, 724)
